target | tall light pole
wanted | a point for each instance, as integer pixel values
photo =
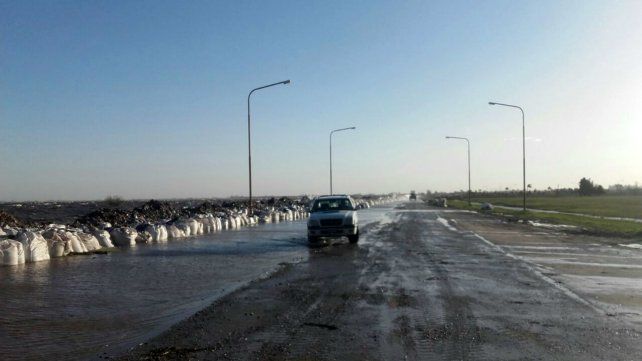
(523, 144)
(249, 138)
(332, 132)
(468, 143)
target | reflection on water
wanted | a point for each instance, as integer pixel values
(76, 307)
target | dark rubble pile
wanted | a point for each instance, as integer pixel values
(151, 211)
(106, 215)
(7, 219)
(155, 210)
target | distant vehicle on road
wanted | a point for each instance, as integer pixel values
(413, 195)
(333, 216)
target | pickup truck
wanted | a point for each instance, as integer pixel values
(332, 217)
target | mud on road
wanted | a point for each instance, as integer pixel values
(413, 288)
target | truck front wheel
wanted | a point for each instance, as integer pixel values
(354, 238)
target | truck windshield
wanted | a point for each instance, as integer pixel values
(336, 204)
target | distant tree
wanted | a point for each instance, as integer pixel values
(588, 188)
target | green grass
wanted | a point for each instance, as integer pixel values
(605, 206)
(589, 225)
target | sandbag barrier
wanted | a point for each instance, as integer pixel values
(18, 246)
(21, 245)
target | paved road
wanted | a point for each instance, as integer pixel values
(419, 286)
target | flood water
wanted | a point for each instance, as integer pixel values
(78, 307)
(81, 306)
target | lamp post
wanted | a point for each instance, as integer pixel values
(332, 132)
(468, 143)
(523, 146)
(249, 138)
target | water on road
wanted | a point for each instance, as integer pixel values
(76, 307)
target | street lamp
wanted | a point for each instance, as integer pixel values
(249, 139)
(467, 142)
(523, 144)
(332, 132)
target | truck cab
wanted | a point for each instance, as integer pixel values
(333, 216)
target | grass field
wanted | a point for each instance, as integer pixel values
(606, 206)
(591, 225)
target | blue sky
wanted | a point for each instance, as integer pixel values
(148, 99)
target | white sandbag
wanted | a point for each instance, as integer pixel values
(217, 223)
(89, 241)
(207, 225)
(199, 224)
(174, 232)
(276, 217)
(163, 233)
(76, 244)
(184, 226)
(194, 226)
(231, 222)
(103, 237)
(123, 236)
(57, 243)
(12, 252)
(2, 232)
(239, 223)
(244, 220)
(213, 223)
(158, 232)
(58, 247)
(34, 245)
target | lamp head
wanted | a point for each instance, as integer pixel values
(491, 103)
(286, 82)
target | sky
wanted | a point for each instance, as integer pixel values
(148, 99)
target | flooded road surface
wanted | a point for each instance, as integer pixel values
(79, 307)
(419, 285)
(75, 307)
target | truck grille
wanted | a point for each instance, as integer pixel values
(331, 222)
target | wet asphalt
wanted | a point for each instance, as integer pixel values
(420, 285)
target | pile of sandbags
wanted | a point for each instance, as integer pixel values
(58, 240)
